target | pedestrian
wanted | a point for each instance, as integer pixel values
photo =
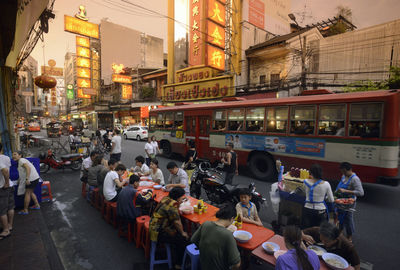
(189, 164)
(349, 186)
(113, 180)
(154, 143)
(155, 172)
(230, 164)
(141, 168)
(86, 164)
(315, 209)
(178, 178)
(106, 139)
(6, 196)
(149, 151)
(246, 209)
(28, 180)
(218, 248)
(116, 146)
(166, 225)
(297, 257)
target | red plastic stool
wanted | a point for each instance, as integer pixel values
(83, 190)
(107, 210)
(46, 192)
(98, 201)
(113, 207)
(139, 227)
(128, 234)
(94, 197)
(145, 239)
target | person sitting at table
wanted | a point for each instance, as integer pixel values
(130, 203)
(224, 253)
(141, 168)
(155, 172)
(333, 241)
(166, 226)
(297, 257)
(112, 180)
(247, 209)
(93, 173)
(178, 177)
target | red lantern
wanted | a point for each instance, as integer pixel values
(44, 81)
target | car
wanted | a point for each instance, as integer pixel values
(53, 129)
(33, 126)
(70, 127)
(136, 132)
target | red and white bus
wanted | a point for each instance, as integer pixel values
(361, 128)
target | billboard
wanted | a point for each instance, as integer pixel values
(80, 27)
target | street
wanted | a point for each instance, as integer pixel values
(85, 241)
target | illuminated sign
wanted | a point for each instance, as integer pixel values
(95, 65)
(82, 62)
(80, 27)
(83, 72)
(196, 32)
(195, 73)
(90, 91)
(213, 88)
(83, 83)
(126, 91)
(117, 68)
(216, 12)
(216, 34)
(81, 94)
(52, 71)
(121, 78)
(215, 57)
(53, 94)
(82, 41)
(70, 94)
(82, 52)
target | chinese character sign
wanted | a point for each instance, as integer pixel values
(196, 40)
(83, 72)
(83, 83)
(82, 52)
(215, 57)
(216, 34)
(82, 41)
(82, 62)
(81, 94)
(80, 27)
(126, 91)
(216, 12)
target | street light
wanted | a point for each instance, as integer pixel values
(303, 85)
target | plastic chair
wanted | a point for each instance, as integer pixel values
(153, 260)
(83, 190)
(145, 239)
(193, 252)
(140, 221)
(129, 233)
(109, 207)
(46, 192)
(96, 198)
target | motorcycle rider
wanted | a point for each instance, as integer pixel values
(230, 164)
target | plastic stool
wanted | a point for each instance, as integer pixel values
(83, 190)
(139, 227)
(96, 198)
(193, 252)
(145, 239)
(114, 214)
(109, 206)
(153, 260)
(46, 192)
(129, 234)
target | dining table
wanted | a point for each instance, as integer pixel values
(270, 258)
(260, 235)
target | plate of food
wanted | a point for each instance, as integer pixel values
(270, 247)
(279, 253)
(335, 261)
(242, 236)
(318, 250)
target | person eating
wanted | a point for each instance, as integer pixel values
(247, 209)
(141, 168)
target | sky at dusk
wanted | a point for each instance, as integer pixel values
(57, 42)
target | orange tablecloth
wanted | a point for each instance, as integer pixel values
(260, 235)
(197, 218)
(262, 255)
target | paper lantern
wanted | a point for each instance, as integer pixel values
(44, 81)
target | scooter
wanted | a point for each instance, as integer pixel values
(213, 183)
(73, 161)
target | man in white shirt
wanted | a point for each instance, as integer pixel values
(141, 168)
(178, 178)
(149, 150)
(112, 181)
(86, 164)
(116, 146)
(6, 196)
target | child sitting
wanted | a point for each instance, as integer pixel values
(247, 209)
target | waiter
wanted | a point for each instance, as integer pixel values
(349, 186)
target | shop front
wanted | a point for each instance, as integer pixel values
(128, 117)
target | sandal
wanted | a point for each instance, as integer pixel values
(22, 213)
(4, 236)
(35, 207)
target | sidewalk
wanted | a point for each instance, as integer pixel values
(30, 245)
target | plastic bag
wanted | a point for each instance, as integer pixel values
(275, 198)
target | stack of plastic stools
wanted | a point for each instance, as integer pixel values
(129, 234)
(46, 192)
(153, 260)
(83, 189)
(140, 221)
(193, 252)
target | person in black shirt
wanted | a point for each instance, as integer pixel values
(231, 164)
(191, 156)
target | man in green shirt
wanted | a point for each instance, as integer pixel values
(218, 248)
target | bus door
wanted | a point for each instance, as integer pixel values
(203, 136)
(190, 129)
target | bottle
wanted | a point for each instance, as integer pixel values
(239, 222)
(292, 172)
(302, 174)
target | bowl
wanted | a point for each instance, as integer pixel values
(187, 210)
(242, 236)
(279, 253)
(270, 247)
(335, 261)
(318, 250)
(157, 186)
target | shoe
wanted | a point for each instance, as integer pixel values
(35, 207)
(4, 236)
(22, 213)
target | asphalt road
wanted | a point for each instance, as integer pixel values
(85, 241)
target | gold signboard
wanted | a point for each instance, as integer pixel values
(83, 83)
(83, 72)
(81, 94)
(215, 57)
(52, 71)
(82, 52)
(80, 27)
(121, 78)
(82, 41)
(216, 34)
(126, 92)
(82, 62)
(195, 73)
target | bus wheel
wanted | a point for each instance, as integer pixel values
(167, 149)
(262, 167)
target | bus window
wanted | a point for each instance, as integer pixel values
(365, 120)
(331, 120)
(153, 122)
(255, 119)
(219, 120)
(160, 120)
(235, 119)
(169, 119)
(277, 119)
(302, 120)
(178, 124)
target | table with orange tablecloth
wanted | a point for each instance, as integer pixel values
(260, 235)
(277, 239)
(201, 218)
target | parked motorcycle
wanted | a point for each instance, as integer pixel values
(213, 183)
(72, 161)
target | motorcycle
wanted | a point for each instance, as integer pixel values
(73, 161)
(213, 183)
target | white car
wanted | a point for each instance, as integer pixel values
(136, 132)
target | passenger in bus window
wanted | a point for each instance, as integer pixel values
(304, 128)
(371, 130)
(340, 129)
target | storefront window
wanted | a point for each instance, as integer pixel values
(277, 119)
(219, 120)
(178, 120)
(169, 119)
(331, 120)
(160, 120)
(302, 120)
(235, 119)
(255, 119)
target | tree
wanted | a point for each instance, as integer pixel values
(394, 78)
(341, 26)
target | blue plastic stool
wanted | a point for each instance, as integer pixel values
(194, 254)
(153, 260)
